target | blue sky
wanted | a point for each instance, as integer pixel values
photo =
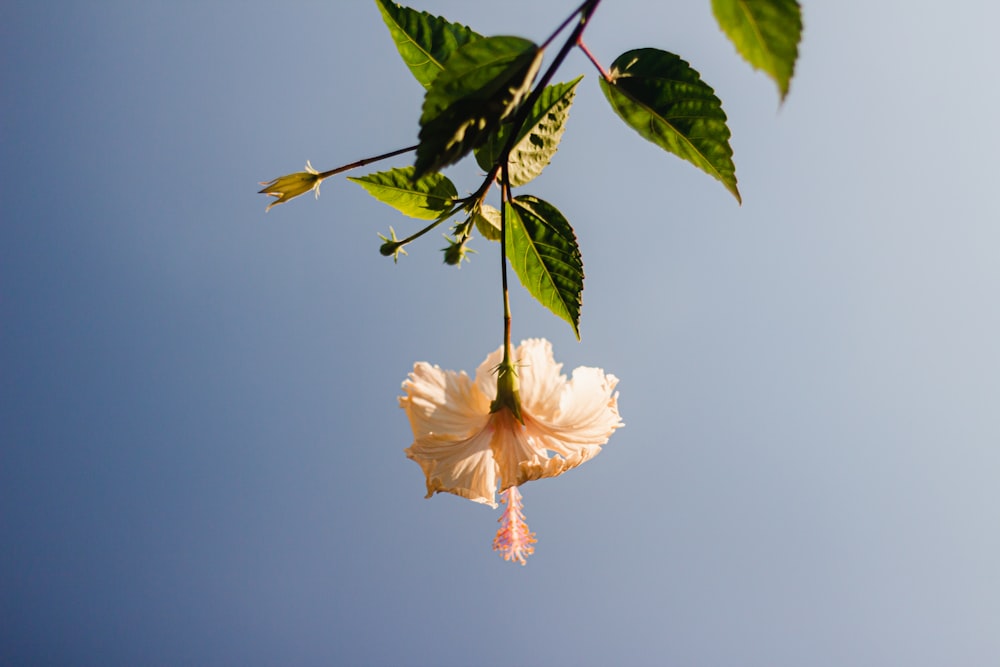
(200, 450)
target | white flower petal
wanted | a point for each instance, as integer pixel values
(463, 467)
(448, 415)
(586, 418)
(513, 449)
(541, 378)
(486, 374)
(463, 448)
(443, 403)
(587, 414)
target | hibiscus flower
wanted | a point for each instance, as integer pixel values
(471, 436)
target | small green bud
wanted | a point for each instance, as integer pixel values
(292, 185)
(392, 247)
(455, 252)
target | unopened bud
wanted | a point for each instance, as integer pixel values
(292, 185)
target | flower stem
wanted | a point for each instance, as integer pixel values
(504, 198)
(367, 160)
(438, 221)
(584, 11)
(508, 396)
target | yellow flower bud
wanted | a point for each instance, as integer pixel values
(292, 185)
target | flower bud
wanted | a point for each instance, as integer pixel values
(392, 247)
(455, 253)
(292, 185)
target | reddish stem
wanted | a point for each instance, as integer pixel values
(583, 47)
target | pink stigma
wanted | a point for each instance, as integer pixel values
(513, 540)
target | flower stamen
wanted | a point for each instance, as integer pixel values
(513, 540)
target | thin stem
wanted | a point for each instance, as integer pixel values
(367, 160)
(507, 397)
(480, 194)
(563, 25)
(502, 168)
(585, 11)
(504, 195)
(418, 234)
(583, 47)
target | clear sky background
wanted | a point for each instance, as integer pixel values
(200, 449)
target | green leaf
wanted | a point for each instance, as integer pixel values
(543, 251)
(483, 82)
(538, 139)
(425, 198)
(663, 99)
(424, 41)
(487, 221)
(765, 32)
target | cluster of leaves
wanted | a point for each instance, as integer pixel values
(485, 96)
